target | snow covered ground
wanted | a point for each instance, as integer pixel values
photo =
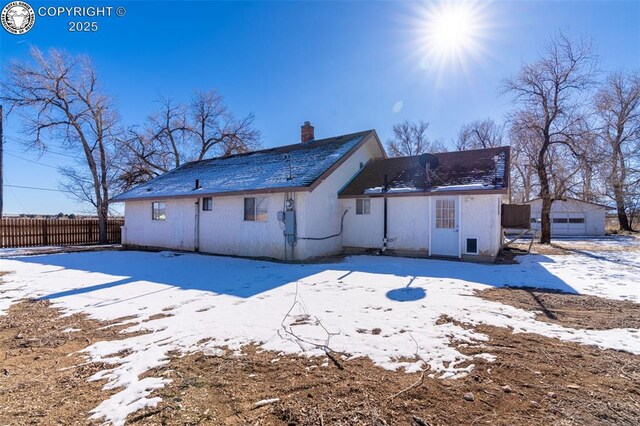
(217, 302)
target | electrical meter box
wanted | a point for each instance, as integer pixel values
(289, 222)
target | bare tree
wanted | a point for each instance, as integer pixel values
(523, 174)
(60, 99)
(179, 133)
(549, 94)
(216, 130)
(480, 134)
(410, 138)
(618, 109)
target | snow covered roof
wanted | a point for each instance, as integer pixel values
(260, 171)
(469, 171)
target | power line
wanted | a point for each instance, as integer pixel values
(47, 150)
(32, 161)
(16, 197)
(36, 188)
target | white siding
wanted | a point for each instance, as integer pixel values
(480, 218)
(363, 230)
(224, 230)
(322, 210)
(593, 214)
(408, 224)
(176, 232)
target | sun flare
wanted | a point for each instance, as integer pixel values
(451, 29)
(451, 33)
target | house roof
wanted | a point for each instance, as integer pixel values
(478, 170)
(259, 171)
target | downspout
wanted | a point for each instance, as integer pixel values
(196, 236)
(385, 189)
(196, 230)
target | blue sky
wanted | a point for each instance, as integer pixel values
(343, 66)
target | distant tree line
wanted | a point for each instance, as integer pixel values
(573, 132)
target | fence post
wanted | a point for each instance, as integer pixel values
(45, 233)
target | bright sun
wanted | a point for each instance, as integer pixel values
(451, 33)
(451, 29)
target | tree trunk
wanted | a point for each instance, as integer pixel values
(545, 195)
(103, 217)
(623, 219)
(545, 216)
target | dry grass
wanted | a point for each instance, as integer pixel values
(535, 380)
(43, 380)
(572, 247)
(569, 310)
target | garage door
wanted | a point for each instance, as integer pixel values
(568, 224)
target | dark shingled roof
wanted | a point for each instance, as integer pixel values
(266, 170)
(474, 170)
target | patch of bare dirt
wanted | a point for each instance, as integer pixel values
(572, 247)
(43, 381)
(534, 380)
(569, 310)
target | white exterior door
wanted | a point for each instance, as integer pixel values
(445, 235)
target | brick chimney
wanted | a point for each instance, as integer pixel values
(306, 133)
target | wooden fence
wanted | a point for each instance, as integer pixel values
(23, 232)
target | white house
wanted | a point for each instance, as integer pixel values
(571, 217)
(324, 197)
(446, 204)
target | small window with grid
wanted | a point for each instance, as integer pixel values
(255, 209)
(445, 214)
(363, 206)
(158, 210)
(207, 204)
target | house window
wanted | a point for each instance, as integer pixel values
(446, 214)
(472, 245)
(158, 211)
(576, 220)
(255, 209)
(559, 220)
(363, 206)
(207, 204)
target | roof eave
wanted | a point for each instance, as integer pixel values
(504, 191)
(345, 157)
(200, 194)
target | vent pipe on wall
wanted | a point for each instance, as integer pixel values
(386, 188)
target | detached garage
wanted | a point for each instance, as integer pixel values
(571, 217)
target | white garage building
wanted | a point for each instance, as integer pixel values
(571, 217)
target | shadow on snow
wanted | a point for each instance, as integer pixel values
(245, 278)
